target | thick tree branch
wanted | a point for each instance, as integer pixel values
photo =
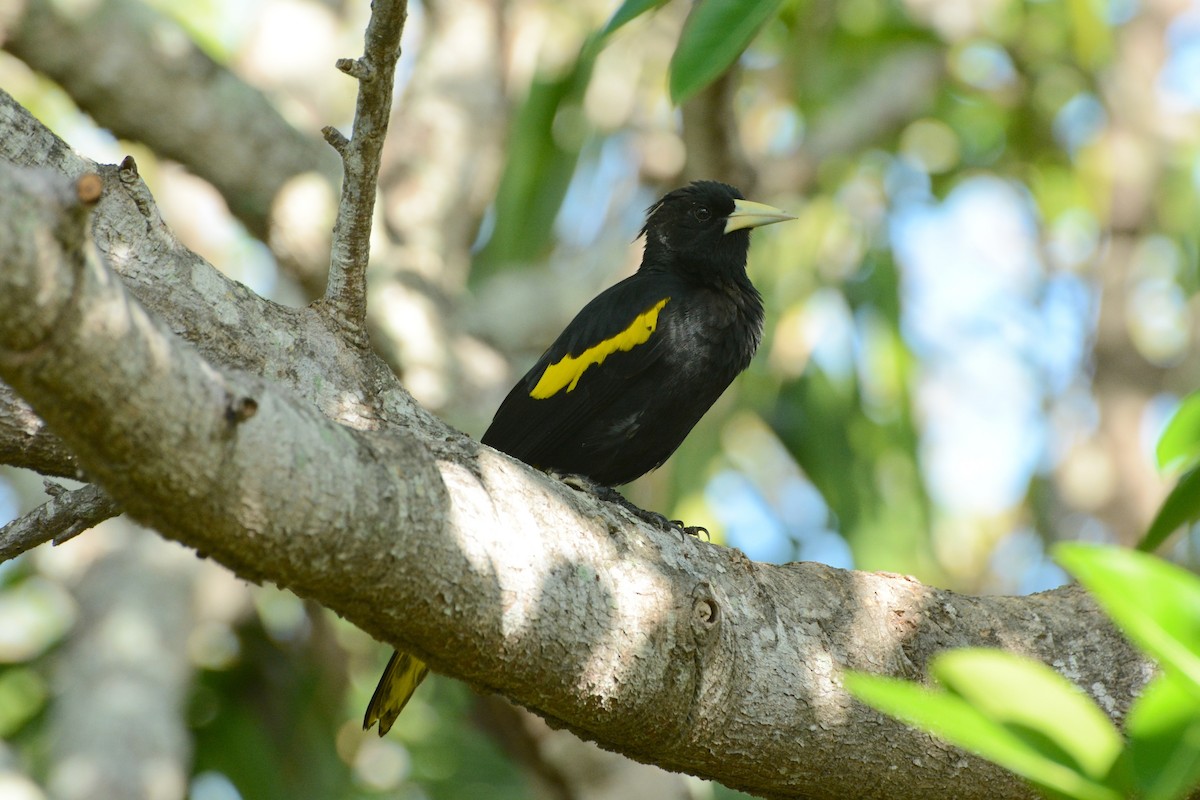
(346, 293)
(675, 652)
(26, 442)
(158, 372)
(219, 316)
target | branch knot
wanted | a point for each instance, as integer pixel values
(706, 612)
(240, 409)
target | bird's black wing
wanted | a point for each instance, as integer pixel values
(617, 336)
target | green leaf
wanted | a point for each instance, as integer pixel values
(1181, 507)
(1155, 603)
(1179, 444)
(715, 34)
(629, 11)
(1163, 756)
(1036, 703)
(547, 136)
(954, 719)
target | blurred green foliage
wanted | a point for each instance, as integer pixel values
(1026, 717)
(250, 728)
(1178, 450)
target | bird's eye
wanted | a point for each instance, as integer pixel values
(701, 213)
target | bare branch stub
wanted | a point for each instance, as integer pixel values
(128, 169)
(337, 140)
(345, 298)
(240, 409)
(356, 68)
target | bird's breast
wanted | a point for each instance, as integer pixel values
(722, 329)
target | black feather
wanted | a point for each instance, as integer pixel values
(636, 369)
(628, 413)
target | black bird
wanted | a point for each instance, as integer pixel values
(621, 387)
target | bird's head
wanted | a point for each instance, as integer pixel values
(703, 230)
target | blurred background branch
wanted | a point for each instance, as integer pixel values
(140, 75)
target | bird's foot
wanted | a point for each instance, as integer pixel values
(654, 518)
(692, 530)
(582, 483)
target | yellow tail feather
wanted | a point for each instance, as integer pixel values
(400, 679)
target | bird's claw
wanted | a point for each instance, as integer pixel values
(692, 530)
(582, 483)
(686, 530)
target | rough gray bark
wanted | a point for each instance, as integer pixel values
(26, 442)
(346, 295)
(288, 456)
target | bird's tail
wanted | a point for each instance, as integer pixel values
(400, 679)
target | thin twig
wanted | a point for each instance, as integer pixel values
(346, 293)
(67, 514)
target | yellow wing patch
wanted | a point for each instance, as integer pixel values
(567, 372)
